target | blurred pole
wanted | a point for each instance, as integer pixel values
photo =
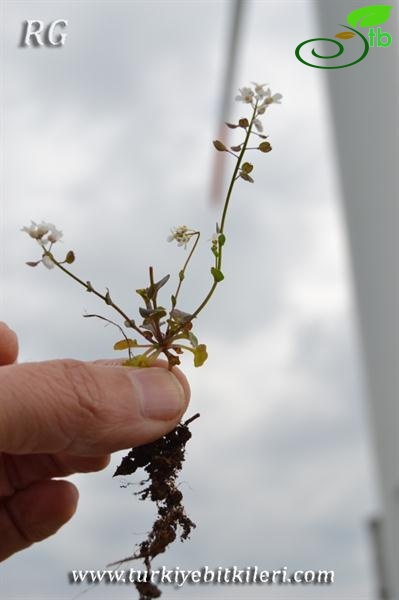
(377, 541)
(236, 12)
(364, 102)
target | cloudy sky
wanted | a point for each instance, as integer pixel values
(110, 138)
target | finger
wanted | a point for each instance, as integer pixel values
(8, 345)
(18, 471)
(84, 409)
(68, 465)
(34, 514)
(115, 362)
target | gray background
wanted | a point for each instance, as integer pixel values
(110, 138)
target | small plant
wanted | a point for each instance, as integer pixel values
(169, 331)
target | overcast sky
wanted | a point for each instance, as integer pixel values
(110, 138)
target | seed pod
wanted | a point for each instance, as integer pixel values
(246, 177)
(247, 167)
(219, 146)
(264, 147)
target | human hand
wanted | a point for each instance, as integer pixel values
(65, 416)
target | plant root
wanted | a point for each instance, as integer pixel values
(162, 460)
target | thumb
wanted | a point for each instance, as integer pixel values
(87, 409)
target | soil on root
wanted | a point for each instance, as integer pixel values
(162, 460)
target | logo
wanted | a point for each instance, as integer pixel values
(368, 17)
(34, 33)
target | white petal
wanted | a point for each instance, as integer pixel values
(48, 263)
(55, 235)
(43, 228)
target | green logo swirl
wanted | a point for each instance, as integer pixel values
(338, 53)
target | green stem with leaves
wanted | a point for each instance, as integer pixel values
(224, 213)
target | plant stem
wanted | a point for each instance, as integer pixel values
(183, 270)
(116, 325)
(90, 288)
(154, 299)
(234, 177)
(158, 336)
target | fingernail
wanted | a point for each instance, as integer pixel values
(162, 395)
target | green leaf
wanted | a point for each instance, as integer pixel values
(369, 16)
(125, 344)
(152, 313)
(137, 361)
(70, 257)
(143, 293)
(151, 329)
(222, 239)
(200, 355)
(153, 290)
(180, 316)
(217, 274)
(193, 339)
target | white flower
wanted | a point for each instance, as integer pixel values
(43, 228)
(269, 99)
(259, 91)
(55, 234)
(258, 125)
(246, 95)
(181, 234)
(38, 232)
(48, 263)
(30, 230)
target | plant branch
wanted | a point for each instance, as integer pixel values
(183, 270)
(89, 288)
(116, 325)
(234, 177)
